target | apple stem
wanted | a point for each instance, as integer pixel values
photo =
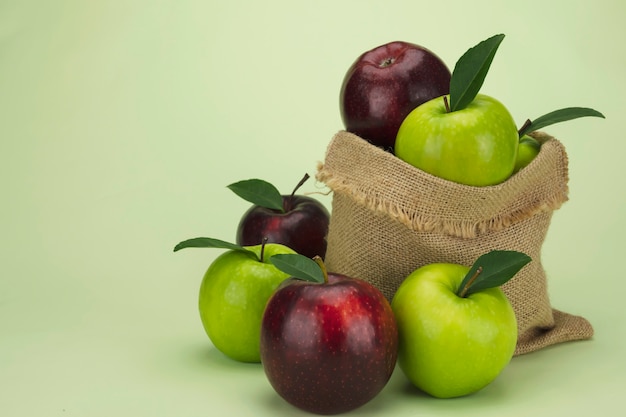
(445, 102)
(265, 239)
(287, 205)
(524, 127)
(386, 62)
(470, 282)
(318, 260)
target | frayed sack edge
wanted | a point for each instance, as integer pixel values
(426, 223)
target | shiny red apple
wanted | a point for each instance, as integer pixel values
(384, 84)
(328, 347)
(297, 221)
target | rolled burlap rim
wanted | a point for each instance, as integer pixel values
(389, 218)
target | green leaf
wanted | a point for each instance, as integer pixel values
(557, 116)
(298, 266)
(470, 72)
(208, 242)
(259, 192)
(492, 270)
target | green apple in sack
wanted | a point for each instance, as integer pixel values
(476, 145)
(465, 137)
(529, 147)
(471, 138)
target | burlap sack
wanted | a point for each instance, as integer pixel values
(389, 218)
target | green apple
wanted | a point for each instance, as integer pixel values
(476, 145)
(452, 342)
(527, 150)
(233, 294)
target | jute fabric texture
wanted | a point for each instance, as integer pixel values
(389, 218)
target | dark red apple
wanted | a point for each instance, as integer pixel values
(328, 347)
(384, 84)
(301, 224)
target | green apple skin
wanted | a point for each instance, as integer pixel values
(233, 294)
(451, 346)
(474, 146)
(528, 149)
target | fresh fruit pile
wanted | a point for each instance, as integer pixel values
(237, 285)
(329, 343)
(454, 133)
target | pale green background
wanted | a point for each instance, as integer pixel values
(121, 123)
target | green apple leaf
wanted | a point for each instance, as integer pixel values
(259, 192)
(208, 242)
(557, 116)
(298, 266)
(492, 270)
(470, 71)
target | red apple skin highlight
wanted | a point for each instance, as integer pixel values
(328, 348)
(384, 84)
